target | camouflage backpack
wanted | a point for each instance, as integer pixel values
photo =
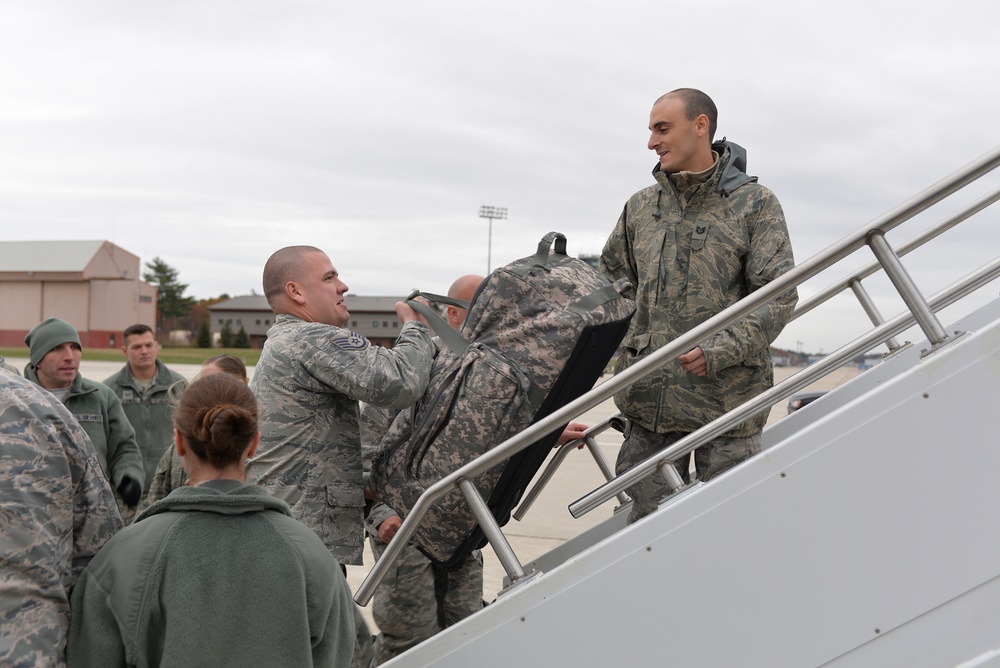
(538, 334)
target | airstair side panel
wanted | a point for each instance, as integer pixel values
(869, 537)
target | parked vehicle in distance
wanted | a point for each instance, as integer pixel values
(797, 401)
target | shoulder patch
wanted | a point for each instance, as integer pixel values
(352, 341)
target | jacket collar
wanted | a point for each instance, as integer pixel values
(225, 497)
(730, 174)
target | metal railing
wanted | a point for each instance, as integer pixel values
(852, 282)
(871, 235)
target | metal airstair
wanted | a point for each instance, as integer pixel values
(867, 532)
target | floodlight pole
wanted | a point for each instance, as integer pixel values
(493, 213)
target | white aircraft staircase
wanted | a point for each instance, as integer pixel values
(867, 532)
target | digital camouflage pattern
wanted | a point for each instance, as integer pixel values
(168, 476)
(308, 382)
(56, 511)
(689, 255)
(711, 460)
(417, 598)
(522, 326)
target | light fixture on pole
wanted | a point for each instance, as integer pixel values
(493, 213)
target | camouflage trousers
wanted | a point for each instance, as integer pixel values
(710, 460)
(418, 598)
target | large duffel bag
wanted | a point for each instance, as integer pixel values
(539, 333)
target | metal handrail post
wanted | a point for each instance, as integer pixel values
(907, 289)
(602, 463)
(911, 207)
(916, 242)
(499, 542)
(943, 299)
(873, 313)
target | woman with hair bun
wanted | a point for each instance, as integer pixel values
(217, 573)
(169, 474)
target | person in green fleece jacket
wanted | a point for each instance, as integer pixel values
(217, 573)
(55, 351)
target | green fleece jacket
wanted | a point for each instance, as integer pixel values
(213, 575)
(98, 410)
(150, 412)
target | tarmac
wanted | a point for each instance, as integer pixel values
(548, 522)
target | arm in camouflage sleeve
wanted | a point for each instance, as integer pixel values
(770, 256)
(374, 423)
(616, 258)
(95, 513)
(124, 456)
(390, 378)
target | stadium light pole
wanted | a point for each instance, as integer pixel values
(493, 213)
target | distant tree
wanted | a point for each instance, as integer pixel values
(204, 335)
(226, 336)
(171, 304)
(242, 339)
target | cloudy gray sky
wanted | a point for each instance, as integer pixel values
(212, 132)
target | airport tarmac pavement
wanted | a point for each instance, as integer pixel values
(548, 522)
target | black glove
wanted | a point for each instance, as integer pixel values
(130, 491)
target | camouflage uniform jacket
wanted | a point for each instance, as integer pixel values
(57, 511)
(689, 256)
(308, 382)
(99, 411)
(169, 475)
(150, 413)
(175, 588)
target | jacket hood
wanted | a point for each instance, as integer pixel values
(226, 497)
(734, 167)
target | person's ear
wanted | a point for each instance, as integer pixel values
(701, 124)
(253, 446)
(295, 292)
(179, 445)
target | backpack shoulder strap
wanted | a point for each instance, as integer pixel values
(454, 340)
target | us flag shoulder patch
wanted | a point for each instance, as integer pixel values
(352, 341)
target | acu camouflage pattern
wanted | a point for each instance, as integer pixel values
(56, 511)
(523, 323)
(308, 382)
(417, 599)
(690, 255)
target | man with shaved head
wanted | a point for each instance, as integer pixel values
(699, 240)
(311, 374)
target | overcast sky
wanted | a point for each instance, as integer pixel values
(212, 132)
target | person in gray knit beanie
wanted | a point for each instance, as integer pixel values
(54, 351)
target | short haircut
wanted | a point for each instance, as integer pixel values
(137, 330)
(280, 268)
(697, 103)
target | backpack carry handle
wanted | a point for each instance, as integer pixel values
(545, 245)
(454, 340)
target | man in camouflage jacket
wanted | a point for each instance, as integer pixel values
(308, 381)
(58, 510)
(705, 236)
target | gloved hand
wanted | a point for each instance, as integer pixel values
(130, 490)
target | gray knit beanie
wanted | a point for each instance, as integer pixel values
(47, 335)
